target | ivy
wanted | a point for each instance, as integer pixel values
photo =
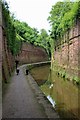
(9, 27)
(17, 32)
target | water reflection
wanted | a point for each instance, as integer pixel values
(51, 101)
(65, 95)
(62, 94)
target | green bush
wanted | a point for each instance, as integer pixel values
(76, 79)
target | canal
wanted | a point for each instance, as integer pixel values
(63, 94)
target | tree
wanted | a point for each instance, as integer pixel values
(18, 31)
(62, 17)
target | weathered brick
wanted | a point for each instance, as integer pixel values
(31, 53)
(69, 54)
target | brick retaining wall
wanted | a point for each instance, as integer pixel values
(67, 55)
(31, 54)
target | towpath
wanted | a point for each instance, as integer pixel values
(24, 99)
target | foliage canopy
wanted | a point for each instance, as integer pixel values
(18, 32)
(63, 16)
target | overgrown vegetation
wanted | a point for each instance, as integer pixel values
(9, 27)
(63, 16)
(18, 32)
(32, 35)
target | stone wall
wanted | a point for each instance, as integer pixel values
(67, 54)
(30, 54)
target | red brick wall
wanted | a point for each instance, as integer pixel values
(68, 54)
(7, 60)
(68, 57)
(31, 53)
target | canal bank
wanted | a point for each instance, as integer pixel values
(24, 99)
(63, 94)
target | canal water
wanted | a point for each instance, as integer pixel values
(63, 94)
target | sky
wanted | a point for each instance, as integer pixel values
(33, 12)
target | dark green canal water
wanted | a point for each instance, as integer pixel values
(63, 94)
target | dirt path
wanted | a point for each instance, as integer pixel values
(23, 99)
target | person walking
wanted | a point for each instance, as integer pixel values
(17, 70)
(16, 62)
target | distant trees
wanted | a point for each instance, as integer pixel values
(32, 35)
(43, 40)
